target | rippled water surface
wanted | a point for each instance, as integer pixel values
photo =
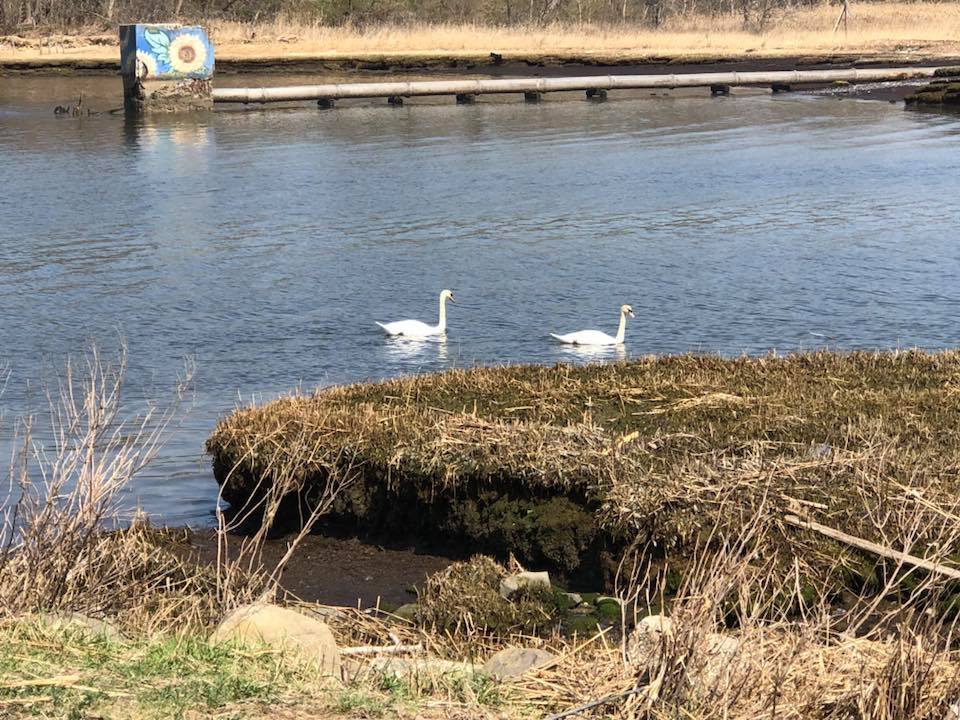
(264, 244)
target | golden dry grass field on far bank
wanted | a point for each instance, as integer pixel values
(907, 32)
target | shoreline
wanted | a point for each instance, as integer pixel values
(547, 65)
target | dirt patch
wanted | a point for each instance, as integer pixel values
(340, 570)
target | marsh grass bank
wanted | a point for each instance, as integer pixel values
(566, 467)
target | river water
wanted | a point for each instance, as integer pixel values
(263, 244)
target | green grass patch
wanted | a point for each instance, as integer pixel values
(62, 674)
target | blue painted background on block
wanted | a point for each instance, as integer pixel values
(166, 52)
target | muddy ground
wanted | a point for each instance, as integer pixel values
(340, 571)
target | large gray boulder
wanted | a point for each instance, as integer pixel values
(513, 662)
(713, 664)
(285, 630)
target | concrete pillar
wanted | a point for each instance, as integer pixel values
(166, 68)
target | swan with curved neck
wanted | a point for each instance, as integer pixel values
(595, 337)
(417, 329)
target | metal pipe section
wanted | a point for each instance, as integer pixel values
(336, 91)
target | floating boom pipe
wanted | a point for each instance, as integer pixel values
(337, 91)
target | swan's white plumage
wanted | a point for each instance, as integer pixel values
(595, 337)
(586, 337)
(417, 329)
(410, 328)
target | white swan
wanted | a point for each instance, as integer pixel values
(417, 329)
(595, 337)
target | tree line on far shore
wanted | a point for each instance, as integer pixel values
(73, 14)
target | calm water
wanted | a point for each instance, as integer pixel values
(264, 243)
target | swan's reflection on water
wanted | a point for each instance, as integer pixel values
(417, 350)
(591, 353)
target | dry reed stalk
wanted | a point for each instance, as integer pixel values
(242, 576)
(65, 492)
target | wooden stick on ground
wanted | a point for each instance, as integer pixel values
(382, 649)
(873, 547)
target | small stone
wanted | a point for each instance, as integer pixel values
(514, 662)
(582, 610)
(574, 599)
(512, 584)
(283, 628)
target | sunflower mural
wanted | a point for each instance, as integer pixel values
(164, 52)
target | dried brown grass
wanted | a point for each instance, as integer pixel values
(64, 546)
(873, 27)
(865, 443)
(908, 30)
(722, 655)
(58, 550)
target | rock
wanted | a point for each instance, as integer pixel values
(715, 668)
(80, 624)
(711, 664)
(407, 612)
(286, 629)
(582, 610)
(512, 584)
(574, 599)
(646, 638)
(514, 662)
